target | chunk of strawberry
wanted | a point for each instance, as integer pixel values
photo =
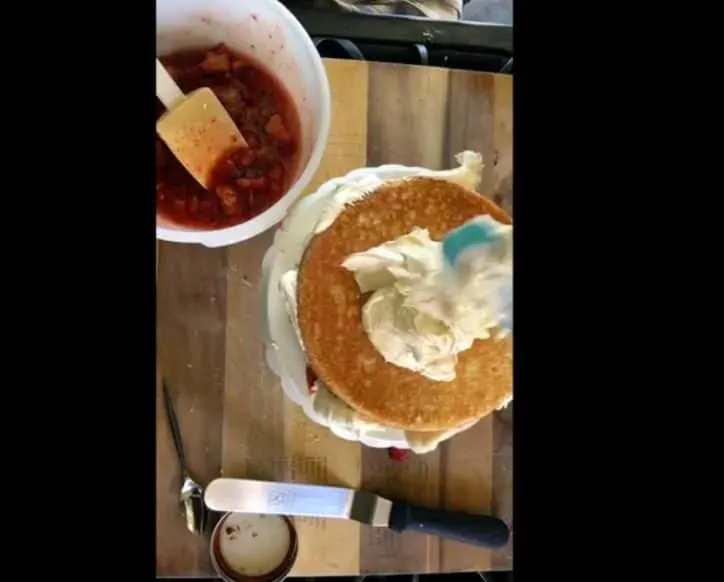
(397, 454)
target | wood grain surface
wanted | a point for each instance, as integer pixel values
(234, 417)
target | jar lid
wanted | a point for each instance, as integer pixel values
(247, 547)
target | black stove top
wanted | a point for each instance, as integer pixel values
(404, 39)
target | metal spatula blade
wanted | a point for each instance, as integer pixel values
(249, 496)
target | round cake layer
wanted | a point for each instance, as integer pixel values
(330, 305)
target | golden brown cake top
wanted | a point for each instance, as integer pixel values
(330, 305)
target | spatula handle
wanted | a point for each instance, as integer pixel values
(478, 530)
(167, 90)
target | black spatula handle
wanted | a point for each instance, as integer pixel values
(478, 530)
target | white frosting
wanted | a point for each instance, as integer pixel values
(421, 313)
(325, 402)
(253, 545)
(336, 411)
(467, 175)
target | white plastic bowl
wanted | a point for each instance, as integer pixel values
(266, 31)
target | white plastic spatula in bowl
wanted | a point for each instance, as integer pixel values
(196, 127)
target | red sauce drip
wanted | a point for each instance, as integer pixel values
(397, 454)
(311, 379)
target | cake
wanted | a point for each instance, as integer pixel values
(356, 381)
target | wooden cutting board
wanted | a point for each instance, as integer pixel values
(234, 417)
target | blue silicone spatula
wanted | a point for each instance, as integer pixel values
(464, 239)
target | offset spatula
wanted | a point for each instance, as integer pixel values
(196, 127)
(267, 497)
